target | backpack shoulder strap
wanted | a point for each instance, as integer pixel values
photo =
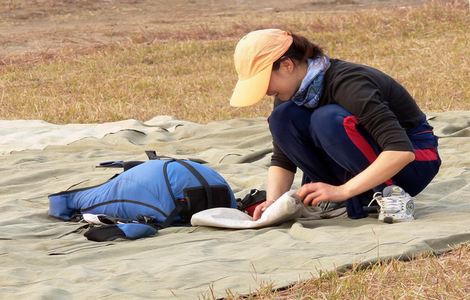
(180, 205)
(200, 178)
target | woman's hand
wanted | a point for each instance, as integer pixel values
(316, 192)
(260, 209)
(279, 181)
(387, 164)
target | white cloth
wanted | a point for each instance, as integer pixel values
(99, 219)
(287, 207)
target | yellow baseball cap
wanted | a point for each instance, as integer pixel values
(254, 56)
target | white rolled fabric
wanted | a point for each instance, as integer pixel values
(287, 207)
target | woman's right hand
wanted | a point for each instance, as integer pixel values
(279, 181)
(260, 209)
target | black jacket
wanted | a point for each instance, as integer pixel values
(383, 106)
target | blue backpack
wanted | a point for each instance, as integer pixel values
(145, 197)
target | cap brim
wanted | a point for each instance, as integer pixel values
(252, 90)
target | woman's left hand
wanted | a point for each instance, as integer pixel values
(316, 192)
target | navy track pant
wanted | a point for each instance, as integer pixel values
(329, 146)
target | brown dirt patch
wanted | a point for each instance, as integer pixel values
(39, 29)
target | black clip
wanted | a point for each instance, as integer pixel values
(152, 154)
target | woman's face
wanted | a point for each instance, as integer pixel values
(285, 81)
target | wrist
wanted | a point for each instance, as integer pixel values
(348, 191)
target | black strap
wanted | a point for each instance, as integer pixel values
(104, 233)
(253, 197)
(167, 180)
(200, 178)
(178, 209)
(124, 201)
(180, 206)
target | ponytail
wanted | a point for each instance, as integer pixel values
(300, 50)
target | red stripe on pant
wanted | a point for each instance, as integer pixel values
(350, 123)
(426, 154)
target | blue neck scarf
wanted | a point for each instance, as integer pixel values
(311, 87)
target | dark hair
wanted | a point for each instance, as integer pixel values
(300, 50)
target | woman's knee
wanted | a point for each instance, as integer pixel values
(327, 119)
(281, 118)
(416, 176)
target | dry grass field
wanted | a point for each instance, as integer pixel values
(94, 61)
(426, 277)
(130, 67)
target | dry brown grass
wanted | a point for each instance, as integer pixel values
(427, 277)
(187, 71)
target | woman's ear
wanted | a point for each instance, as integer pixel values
(288, 65)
